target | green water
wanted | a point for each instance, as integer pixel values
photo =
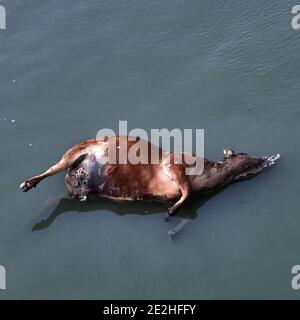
(69, 68)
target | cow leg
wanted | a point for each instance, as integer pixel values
(66, 162)
(178, 228)
(177, 173)
(185, 193)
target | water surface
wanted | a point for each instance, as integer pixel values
(69, 68)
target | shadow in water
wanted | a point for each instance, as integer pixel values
(58, 206)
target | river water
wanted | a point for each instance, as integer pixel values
(69, 68)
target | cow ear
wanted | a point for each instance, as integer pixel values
(228, 153)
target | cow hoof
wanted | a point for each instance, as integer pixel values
(167, 217)
(172, 234)
(24, 187)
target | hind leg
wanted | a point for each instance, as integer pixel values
(67, 161)
(32, 182)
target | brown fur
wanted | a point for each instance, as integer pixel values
(161, 181)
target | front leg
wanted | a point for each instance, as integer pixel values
(185, 193)
(177, 173)
(178, 228)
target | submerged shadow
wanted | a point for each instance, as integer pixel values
(186, 213)
(64, 205)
